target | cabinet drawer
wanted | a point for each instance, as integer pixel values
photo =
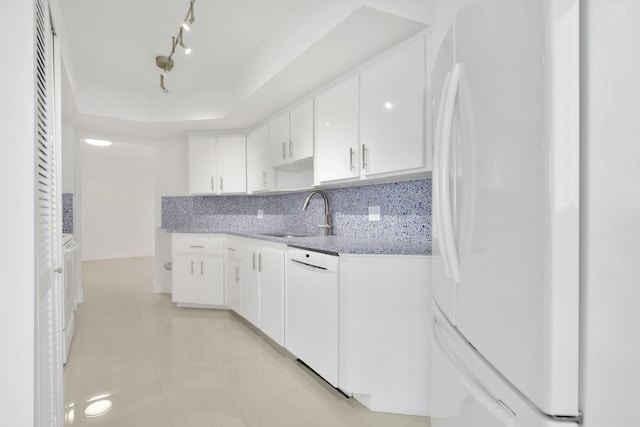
(197, 245)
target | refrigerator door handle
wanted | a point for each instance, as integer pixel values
(497, 407)
(444, 192)
(436, 167)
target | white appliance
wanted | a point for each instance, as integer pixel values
(535, 208)
(69, 302)
(311, 310)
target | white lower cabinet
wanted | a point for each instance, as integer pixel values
(197, 270)
(233, 262)
(383, 321)
(271, 268)
(249, 283)
(384, 331)
(255, 284)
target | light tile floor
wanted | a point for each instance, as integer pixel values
(161, 365)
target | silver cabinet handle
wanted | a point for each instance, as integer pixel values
(364, 157)
(58, 270)
(196, 246)
(221, 185)
(264, 177)
(284, 150)
(351, 165)
(290, 149)
(237, 274)
(202, 268)
(253, 260)
(260, 263)
(231, 249)
(192, 267)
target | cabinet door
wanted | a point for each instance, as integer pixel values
(336, 149)
(392, 116)
(271, 266)
(260, 176)
(249, 285)
(183, 280)
(210, 277)
(232, 166)
(301, 131)
(279, 139)
(232, 274)
(232, 285)
(202, 164)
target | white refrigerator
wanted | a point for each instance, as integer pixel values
(536, 203)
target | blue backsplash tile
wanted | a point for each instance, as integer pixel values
(67, 213)
(405, 209)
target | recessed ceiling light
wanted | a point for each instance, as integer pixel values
(98, 142)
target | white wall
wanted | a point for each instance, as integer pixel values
(610, 209)
(68, 160)
(118, 201)
(171, 180)
(17, 254)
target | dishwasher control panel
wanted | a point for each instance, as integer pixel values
(314, 259)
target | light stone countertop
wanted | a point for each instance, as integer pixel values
(336, 244)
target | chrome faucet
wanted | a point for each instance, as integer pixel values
(327, 225)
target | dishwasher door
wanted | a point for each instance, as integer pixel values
(311, 311)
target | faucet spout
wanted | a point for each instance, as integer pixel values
(327, 225)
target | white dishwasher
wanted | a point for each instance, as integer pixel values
(311, 310)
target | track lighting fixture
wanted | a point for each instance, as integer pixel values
(165, 63)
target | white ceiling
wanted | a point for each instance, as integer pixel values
(251, 58)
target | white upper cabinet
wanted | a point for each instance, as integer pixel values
(336, 118)
(392, 116)
(291, 135)
(217, 165)
(372, 125)
(202, 164)
(279, 139)
(260, 176)
(301, 132)
(232, 167)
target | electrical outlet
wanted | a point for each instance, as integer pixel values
(374, 213)
(260, 213)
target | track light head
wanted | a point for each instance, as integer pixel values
(165, 63)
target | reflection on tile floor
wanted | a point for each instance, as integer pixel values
(159, 365)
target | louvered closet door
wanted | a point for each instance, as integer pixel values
(49, 325)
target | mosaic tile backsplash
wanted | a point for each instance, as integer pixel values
(67, 213)
(405, 209)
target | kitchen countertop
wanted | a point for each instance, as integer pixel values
(338, 244)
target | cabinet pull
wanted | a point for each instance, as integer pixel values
(260, 263)
(192, 267)
(351, 165)
(290, 149)
(221, 185)
(231, 249)
(284, 151)
(264, 177)
(202, 268)
(237, 274)
(196, 246)
(253, 260)
(364, 157)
